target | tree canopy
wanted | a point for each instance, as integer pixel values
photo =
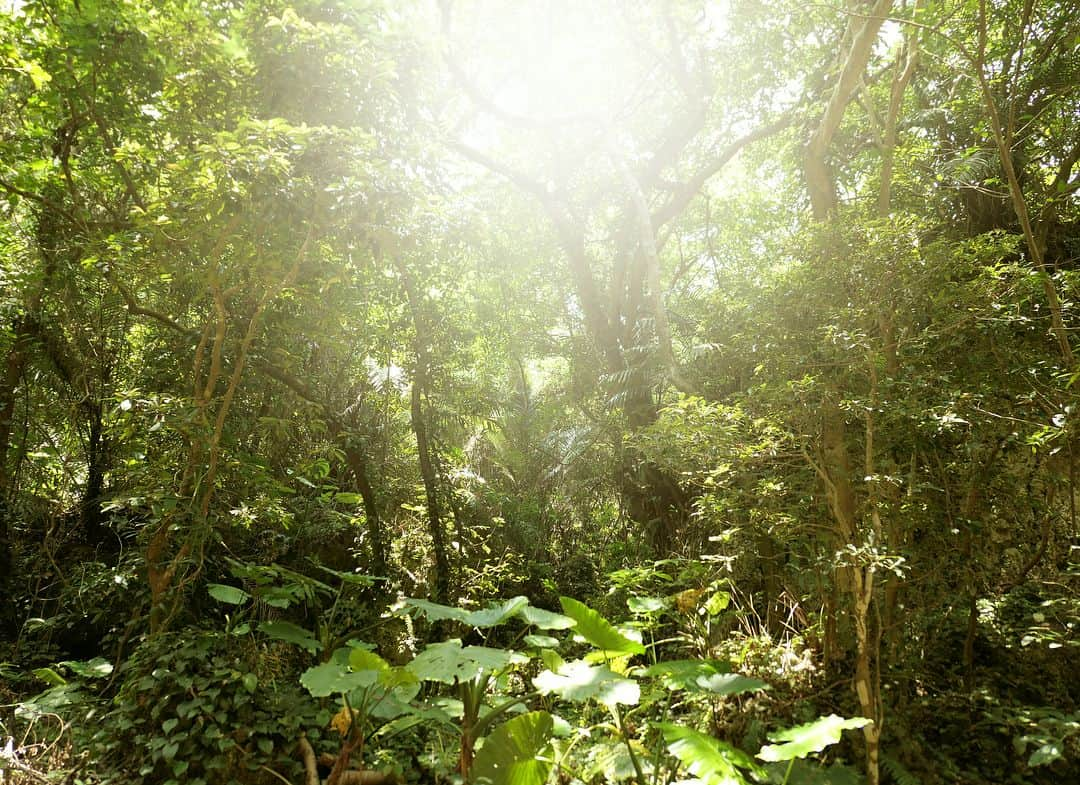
(542, 391)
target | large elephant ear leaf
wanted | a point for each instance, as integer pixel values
(448, 661)
(545, 620)
(496, 614)
(432, 610)
(511, 753)
(578, 681)
(803, 740)
(597, 630)
(712, 761)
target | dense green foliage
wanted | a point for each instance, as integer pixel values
(512, 393)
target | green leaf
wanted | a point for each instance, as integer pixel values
(434, 611)
(728, 684)
(546, 620)
(597, 630)
(1047, 753)
(168, 752)
(50, 677)
(711, 760)
(510, 755)
(551, 659)
(251, 682)
(811, 737)
(168, 726)
(642, 605)
(290, 633)
(38, 75)
(611, 762)
(541, 641)
(332, 678)
(810, 772)
(684, 674)
(717, 603)
(227, 594)
(579, 681)
(363, 660)
(448, 661)
(487, 617)
(97, 668)
(496, 614)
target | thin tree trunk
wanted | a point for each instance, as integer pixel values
(358, 468)
(441, 589)
(862, 33)
(431, 490)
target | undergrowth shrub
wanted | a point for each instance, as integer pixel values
(203, 708)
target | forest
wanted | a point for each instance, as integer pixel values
(539, 392)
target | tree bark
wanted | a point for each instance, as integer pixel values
(441, 589)
(862, 31)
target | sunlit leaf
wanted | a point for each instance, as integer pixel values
(448, 661)
(332, 678)
(803, 740)
(97, 668)
(729, 684)
(579, 681)
(497, 614)
(597, 630)
(546, 620)
(713, 761)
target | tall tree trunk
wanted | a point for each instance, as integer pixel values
(90, 515)
(359, 469)
(861, 33)
(14, 365)
(431, 489)
(441, 589)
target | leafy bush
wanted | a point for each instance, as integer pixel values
(201, 708)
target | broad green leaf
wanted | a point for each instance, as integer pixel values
(496, 614)
(290, 633)
(38, 75)
(332, 678)
(546, 620)
(250, 681)
(551, 659)
(711, 760)
(811, 737)
(511, 753)
(363, 660)
(50, 677)
(579, 681)
(434, 611)
(610, 761)
(597, 630)
(1047, 753)
(541, 641)
(97, 668)
(227, 594)
(717, 603)
(448, 661)
(728, 684)
(349, 577)
(810, 772)
(684, 674)
(642, 605)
